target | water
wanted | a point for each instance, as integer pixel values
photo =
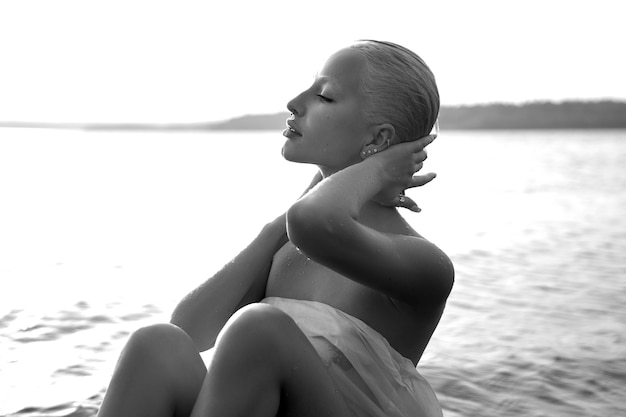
(101, 233)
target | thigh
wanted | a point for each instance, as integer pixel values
(264, 365)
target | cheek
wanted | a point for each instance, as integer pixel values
(336, 131)
(339, 126)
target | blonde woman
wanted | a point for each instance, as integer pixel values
(328, 311)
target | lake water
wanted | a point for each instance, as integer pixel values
(103, 232)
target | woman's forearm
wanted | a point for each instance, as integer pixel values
(204, 311)
(345, 192)
(326, 218)
(332, 208)
(339, 197)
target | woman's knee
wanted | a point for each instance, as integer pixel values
(159, 369)
(161, 340)
(263, 348)
(258, 326)
(168, 350)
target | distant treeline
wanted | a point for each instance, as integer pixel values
(536, 115)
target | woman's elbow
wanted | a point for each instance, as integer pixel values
(308, 224)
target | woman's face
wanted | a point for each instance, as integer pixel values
(327, 126)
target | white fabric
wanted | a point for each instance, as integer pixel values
(374, 379)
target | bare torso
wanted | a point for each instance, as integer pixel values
(407, 327)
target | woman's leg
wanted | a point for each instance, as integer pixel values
(265, 366)
(159, 373)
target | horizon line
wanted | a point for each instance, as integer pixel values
(194, 125)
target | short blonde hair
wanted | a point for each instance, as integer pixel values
(400, 89)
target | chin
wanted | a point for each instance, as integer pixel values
(291, 154)
(294, 158)
(286, 154)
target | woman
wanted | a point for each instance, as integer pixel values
(328, 311)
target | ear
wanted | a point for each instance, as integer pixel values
(382, 137)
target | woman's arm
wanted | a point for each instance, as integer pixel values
(325, 226)
(204, 311)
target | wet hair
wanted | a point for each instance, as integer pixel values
(400, 89)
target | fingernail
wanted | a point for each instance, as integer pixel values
(415, 208)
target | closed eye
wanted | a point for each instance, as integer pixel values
(325, 99)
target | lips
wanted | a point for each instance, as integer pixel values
(292, 126)
(291, 131)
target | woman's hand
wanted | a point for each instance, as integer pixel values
(399, 164)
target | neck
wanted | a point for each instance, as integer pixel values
(328, 171)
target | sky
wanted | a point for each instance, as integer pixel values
(194, 61)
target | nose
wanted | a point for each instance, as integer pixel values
(292, 108)
(295, 105)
